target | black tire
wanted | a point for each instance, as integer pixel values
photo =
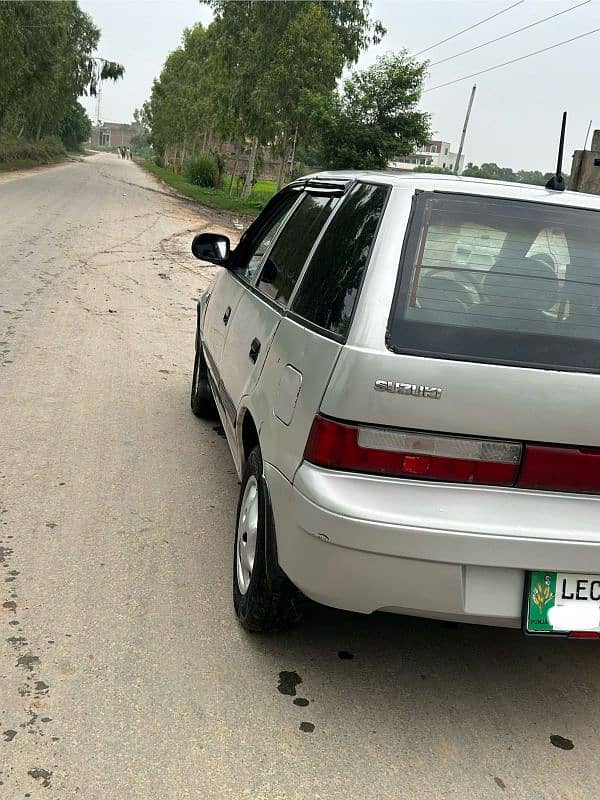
(201, 400)
(271, 602)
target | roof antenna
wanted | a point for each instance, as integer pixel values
(557, 182)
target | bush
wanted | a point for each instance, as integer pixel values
(299, 170)
(202, 172)
(75, 129)
(14, 149)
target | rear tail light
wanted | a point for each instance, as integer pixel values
(560, 469)
(410, 454)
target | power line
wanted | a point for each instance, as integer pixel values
(470, 28)
(512, 33)
(512, 61)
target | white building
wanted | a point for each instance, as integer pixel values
(433, 153)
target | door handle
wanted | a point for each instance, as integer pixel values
(226, 315)
(254, 350)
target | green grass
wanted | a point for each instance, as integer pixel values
(262, 191)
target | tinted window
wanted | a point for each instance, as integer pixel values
(288, 256)
(331, 282)
(503, 281)
(258, 237)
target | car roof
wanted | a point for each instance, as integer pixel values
(433, 182)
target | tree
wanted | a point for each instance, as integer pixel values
(75, 127)
(46, 62)
(491, 171)
(375, 118)
(267, 54)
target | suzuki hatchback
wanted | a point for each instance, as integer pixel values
(407, 371)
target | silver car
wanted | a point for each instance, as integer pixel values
(407, 371)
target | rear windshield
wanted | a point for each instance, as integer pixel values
(502, 281)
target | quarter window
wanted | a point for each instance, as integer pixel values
(285, 261)
(258, 238)
(329, 288)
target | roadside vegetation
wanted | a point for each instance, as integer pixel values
(18, 153)
(492, 171)
(46, 63)
(219, 197)
(257, 93)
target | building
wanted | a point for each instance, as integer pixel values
(585, 169)
(433, 153)
(114, 134)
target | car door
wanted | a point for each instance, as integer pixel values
(314, 328)
(261, 306)
(231, 283)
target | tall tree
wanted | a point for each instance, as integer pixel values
(269, 53)
(46, 62)
(374, 118)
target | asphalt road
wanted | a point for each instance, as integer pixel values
(123, 673)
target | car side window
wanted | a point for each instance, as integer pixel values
(285, 261)
(330, 285)
(258, 239)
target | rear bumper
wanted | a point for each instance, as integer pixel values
(365, 543)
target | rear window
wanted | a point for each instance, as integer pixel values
(502, 281)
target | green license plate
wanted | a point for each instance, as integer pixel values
(562, 602)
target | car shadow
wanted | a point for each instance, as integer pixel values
(462, 688)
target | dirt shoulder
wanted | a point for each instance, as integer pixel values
(8, 174)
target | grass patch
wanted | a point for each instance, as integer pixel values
(26, 163)
(262, 191)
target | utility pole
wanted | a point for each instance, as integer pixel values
(464, 131)
(587, 134)
(98, 102)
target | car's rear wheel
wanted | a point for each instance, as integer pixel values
(264, 598)
(201, 400)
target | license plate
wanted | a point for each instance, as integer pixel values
(562, 602)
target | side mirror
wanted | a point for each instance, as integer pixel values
(212, 247)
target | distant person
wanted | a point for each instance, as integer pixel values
(129, 153)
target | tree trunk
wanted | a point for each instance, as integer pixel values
(204, 141)
(294, 150)
(283, 164)
(235, 168)
(250, 174)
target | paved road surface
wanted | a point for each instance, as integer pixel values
(123, 673)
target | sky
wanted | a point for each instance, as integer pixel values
(517, 110)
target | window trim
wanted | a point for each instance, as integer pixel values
(236, 271)
(281, 307)
(410, 246)
(337, 337)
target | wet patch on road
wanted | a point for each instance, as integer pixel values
(561, 742)
(32, 690)
(41, 775)
(288, 682)
(307, 727)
